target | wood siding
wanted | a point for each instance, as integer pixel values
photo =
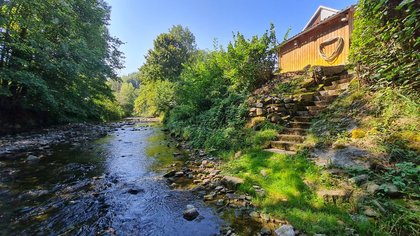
(302, 50)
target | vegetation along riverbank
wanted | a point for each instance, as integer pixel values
(330, 148)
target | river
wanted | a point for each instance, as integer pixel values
(110, 186)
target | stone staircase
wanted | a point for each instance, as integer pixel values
(301, 111)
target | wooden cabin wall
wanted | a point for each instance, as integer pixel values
(295, 57)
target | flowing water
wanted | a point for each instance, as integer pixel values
(110, 186)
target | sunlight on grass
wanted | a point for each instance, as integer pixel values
(288, 196)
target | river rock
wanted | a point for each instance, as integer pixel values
(190, 213)
(232, 182)
(33, 159)
(179, 174)
(134, 191)
(285, 230)
(170, 174)
(208, 197)
(254, 215)
(220, 202)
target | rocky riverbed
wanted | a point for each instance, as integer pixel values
(119, 178)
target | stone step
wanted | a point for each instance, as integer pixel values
(296, 131)
(296, 124)
(302, 118)
(326, 98)
(329, 80)
(278, 151)
(316, 108)
(331, 92)
(283, 145)
(337, 86)
(291, 138)
(322, 103)
(343, 80)
(303, 113)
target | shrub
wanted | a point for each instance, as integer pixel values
(385, 42)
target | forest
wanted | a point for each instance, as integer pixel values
(60, 66)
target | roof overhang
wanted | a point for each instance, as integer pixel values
(318, 11)
(327, 20)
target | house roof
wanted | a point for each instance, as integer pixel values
(327, 10)
(311, 27)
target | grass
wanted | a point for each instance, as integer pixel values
(290, 184)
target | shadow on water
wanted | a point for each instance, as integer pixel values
(112, 185)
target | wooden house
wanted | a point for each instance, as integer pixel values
(324, 41)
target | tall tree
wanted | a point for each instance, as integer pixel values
(161, 72)
(55, 57)
(170, 51)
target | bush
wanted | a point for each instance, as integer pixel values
(386, 43)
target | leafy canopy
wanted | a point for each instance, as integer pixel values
(55, 58)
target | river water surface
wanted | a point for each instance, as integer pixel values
(112, 185)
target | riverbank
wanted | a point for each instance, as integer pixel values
(206, 175)
(263, 193)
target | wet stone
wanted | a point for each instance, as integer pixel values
(170, 174)
(179, 174)
(33, 159)
(134, 191)
(190, 213)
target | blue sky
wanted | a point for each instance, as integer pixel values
(138, 22)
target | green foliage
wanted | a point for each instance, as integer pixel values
(126, 90)
(170, 51)
(406, 176)
(109, 110)
(155, 98)
(386, 42)
(126, 96)
(55, 58)
(160, 75)
(250, 63)
(210, 107)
